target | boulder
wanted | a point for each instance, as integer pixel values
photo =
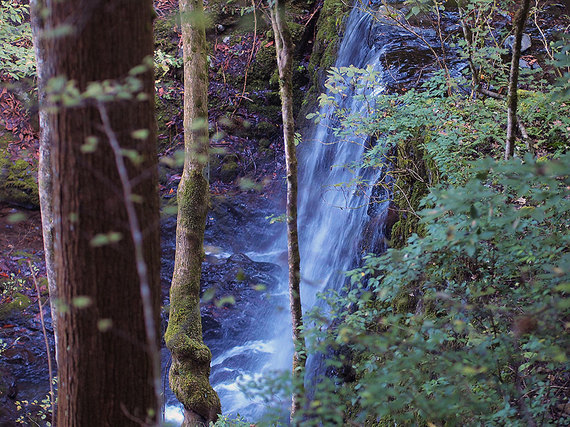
(525, 42)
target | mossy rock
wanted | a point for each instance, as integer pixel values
(264, 143)
(18, 303)
(262, 68)
(330, 27)
(267, 104)
(266, 130)
(404, 302)
(229, 14)
(18, 180)
(296, 30)
(411, 156)
(230, 168)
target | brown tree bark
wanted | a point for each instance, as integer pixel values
(105, 367)
(284, 49)
(190, 370)
(512, 97)
(45, 178)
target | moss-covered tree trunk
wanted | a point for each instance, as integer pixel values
(512, 96)
(190, 370)
(284, 49)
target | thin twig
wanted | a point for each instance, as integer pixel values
(142, 270)
(251, 53)
(44, 332)
(407, 200)
(543, 38)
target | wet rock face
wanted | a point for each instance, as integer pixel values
(23, 365)
(238, 291)
(8, 392)
(405, 53)
(239, 224)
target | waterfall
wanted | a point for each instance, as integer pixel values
(332, 217)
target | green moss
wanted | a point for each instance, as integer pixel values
(263, 68)
(165, 38)
(404, 302)
(195, 390)
(193, 195)
(231, 14)
(296, 30)
(19, 302)
(266, 129)
(18, 180)
(229, 169)
(268, 104)
(410, 190)
(330, 27)
(189, 374)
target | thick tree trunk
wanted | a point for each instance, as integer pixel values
(105, 368)
(512, 98)
(190, 370)
(284, 48)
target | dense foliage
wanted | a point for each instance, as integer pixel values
(466, 323)
(16, 55)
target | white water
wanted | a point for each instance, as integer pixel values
(332, 218)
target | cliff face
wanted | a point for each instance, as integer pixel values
(321, 52)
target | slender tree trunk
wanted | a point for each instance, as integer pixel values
(45, 178)
(512, 98)
(105, 366)
(468, 35)
(190, 370)
(284, 48)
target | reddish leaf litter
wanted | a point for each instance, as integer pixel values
(15, 118)
(165, 7)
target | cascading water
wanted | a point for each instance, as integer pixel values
(332, 216)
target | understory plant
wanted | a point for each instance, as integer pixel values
(16, 55)
(469, 324)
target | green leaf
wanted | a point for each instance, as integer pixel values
(227, 300)
(103, 239)
(140, 134)
(82, 301)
